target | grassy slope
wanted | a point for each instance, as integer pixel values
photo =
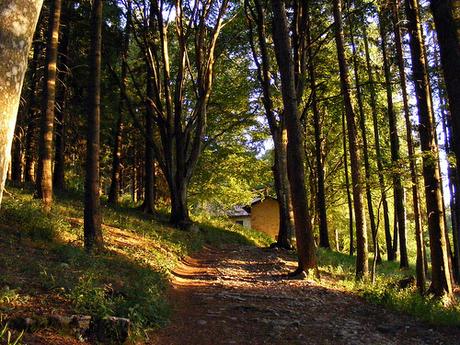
(45, 270)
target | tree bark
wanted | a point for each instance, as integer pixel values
(351, 229)
(399, 209)
(362, 266)
(421, 255)
(277, 127)
(296, 156)
(321, 195)
(114, 191)
(15, 42)
(447, 20)
(441, 279)
(61, 101)
(44, 182)
(373, 103)
(92, 212)
(362, 125)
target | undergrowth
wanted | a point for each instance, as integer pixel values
(385, 291)
(127, 279)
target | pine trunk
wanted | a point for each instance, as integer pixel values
(93, 217)
(44, 182)
(399, 209)
(441, 279)
(295, 153)
(447, 18)
(362, 266)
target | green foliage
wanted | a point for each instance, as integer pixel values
(427, 308)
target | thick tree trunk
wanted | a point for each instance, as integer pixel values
(362, 266)
(61, 101)
(44, 182)
(15, 41)
(93, 217)
(441, 279)
(447, 21)
(373, 103)
(296, 156)
(399, 209)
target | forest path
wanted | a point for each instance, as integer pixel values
(237, 295)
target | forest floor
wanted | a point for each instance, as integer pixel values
(237, 294)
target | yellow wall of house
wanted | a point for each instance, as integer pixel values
(265, 217)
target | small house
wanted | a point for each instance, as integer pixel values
(262, 215)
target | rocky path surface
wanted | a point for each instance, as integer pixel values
(237, 295)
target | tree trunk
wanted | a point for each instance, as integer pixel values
(441, 279)
(447, 18)
(321, 196)
(362, 266)
(16, 159)
(61, 101)
(93, 217)
(15, 41)
(347, 184)
(399, 209)
(29, 175)
(421, 255)
(149, 198)
(362, 124)
(44, 182)
(373, 103)
(277, 127)
(296, 156)
(114, 191)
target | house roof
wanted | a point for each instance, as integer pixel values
(238, 211)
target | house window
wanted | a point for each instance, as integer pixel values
(240, 222)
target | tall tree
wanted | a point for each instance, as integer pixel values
(362, 266)
(277, 125)
(447, 20)
(15, 41)
(391, 255)
(441, 276)
(114, 190)
(61, 98)
(92, 212)
(44, 182)
(296, 155)
(321, 195)
(420, 261)
(399, 209)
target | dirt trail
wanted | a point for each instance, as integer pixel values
(236, 295)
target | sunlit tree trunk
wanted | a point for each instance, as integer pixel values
(362, 266)
(93, 217)
(362, 125)
(44, 182)
(15, 42)
(441, 279)
(399, 209)
(296, 156)
(378, 151)
(446, 14)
